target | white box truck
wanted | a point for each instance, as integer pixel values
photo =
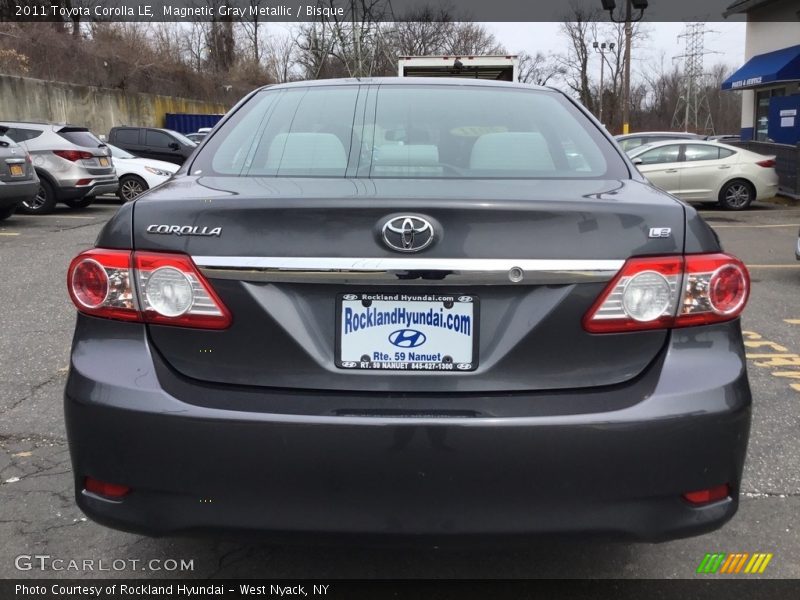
(498, 67)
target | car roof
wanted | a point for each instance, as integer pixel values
(42, 124)
(445, 81)
(676, 134)
(661, 143)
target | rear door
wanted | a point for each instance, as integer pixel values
(662, 167)
(162, 146)
(378, 240)
(702, 172)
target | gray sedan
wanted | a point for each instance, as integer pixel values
(409, 308)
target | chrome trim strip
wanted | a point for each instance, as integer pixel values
(408, 271)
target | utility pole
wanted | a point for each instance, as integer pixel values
(639, 5)
(601, 48)
(693, 102)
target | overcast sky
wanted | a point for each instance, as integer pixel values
(726, 40)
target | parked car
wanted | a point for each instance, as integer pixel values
(408, 320)
(152, 142)
(633, 140)
(72, 164)
(18, 180)
(701, 171)
(137, 175)
(725, 138)
(797, 247)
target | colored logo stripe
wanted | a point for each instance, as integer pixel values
(720, 562)
(711, 562)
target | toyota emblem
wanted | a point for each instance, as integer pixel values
(407, 233)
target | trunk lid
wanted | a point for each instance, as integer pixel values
(569, 237)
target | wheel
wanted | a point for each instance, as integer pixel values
(736, 195)
(42, 203)
(6, 212)
(79, 202)
(131, 186)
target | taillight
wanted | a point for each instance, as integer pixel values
(671, 291)
(173, 292)
(100, 283)
(73, 155)
(766, 163)
(144, 286)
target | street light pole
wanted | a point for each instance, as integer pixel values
(639, 5)
(601, 48)
(626, 97)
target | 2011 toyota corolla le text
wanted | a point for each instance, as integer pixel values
(414, 308)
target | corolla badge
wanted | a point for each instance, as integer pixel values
(407, 338)
(184, 230)
(407, 233)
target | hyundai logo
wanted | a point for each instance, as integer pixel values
(407, 338)
(407, 233)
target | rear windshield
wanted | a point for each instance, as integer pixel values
(410, 131)
(81, 137)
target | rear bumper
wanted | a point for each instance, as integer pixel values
(193, 466)
(13, 193)
(96, 188)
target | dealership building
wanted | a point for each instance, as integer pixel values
(770, 78)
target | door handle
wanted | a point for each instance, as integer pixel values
(724, 167)
(671, 171)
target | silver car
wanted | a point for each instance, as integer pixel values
(18, 181)
(73, 165)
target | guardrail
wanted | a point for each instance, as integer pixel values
(787, 164)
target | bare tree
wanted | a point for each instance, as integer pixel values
(420, 32)
(538, 68)
(252, 27)
(578, 29)
(280, 57)
(472, 39)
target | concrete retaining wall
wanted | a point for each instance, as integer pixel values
(99, 109)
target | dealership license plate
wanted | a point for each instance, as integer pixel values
(17, 170)
(407, 332)
(103, 162)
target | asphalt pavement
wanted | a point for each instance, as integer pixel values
(38, 515)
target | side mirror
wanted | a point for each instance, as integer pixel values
(637, 161)
(175, 146)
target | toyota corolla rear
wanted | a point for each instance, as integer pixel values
(408, 308)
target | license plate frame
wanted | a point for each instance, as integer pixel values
(406, 299)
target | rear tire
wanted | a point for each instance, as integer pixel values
(7, 212)
(42, 203)
(737, 194)
(131, 186)
(80, 202)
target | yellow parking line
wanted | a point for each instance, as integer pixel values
(753, 226)
(792, 321)
(9, 233)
